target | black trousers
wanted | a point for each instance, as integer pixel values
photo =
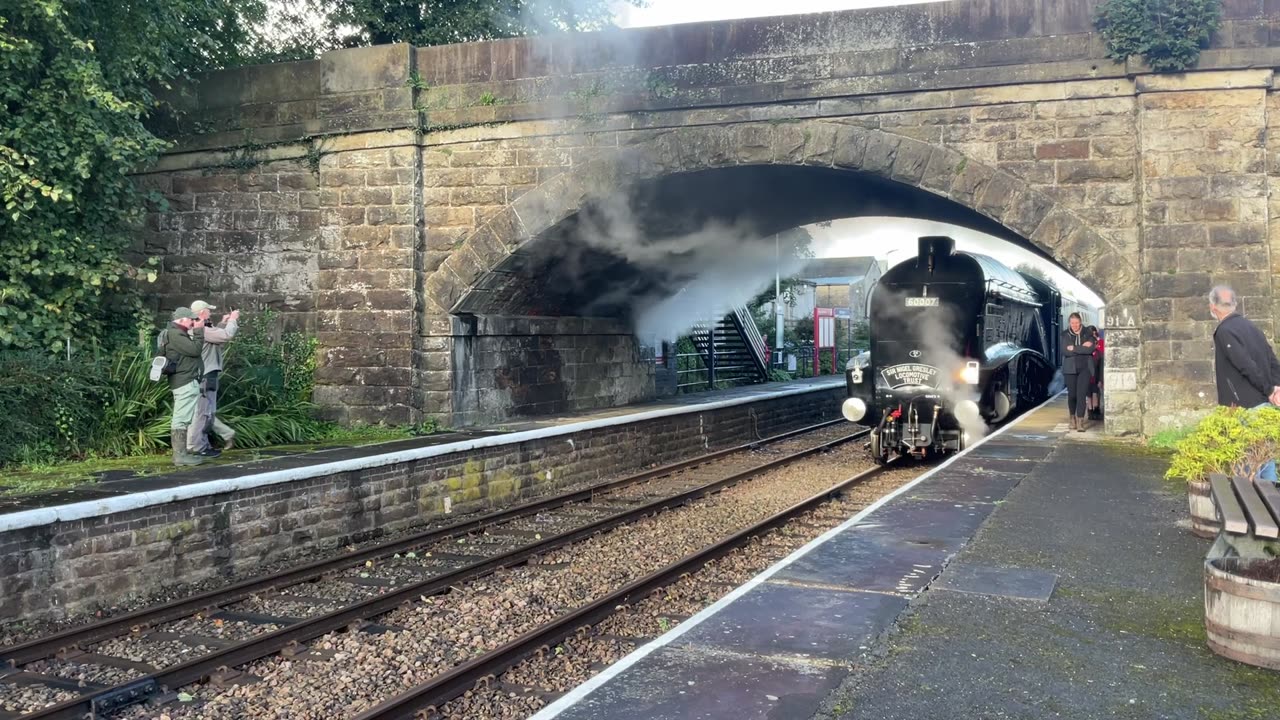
(1077, 391)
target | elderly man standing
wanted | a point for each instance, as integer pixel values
(180, 343)
(1245, 366)
(215, 340)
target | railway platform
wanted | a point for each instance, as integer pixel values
(73, 551)
(1043, 574)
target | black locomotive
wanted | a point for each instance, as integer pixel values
(959, 340)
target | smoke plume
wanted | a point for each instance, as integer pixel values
(681, 278)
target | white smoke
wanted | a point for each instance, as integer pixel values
(690, 277)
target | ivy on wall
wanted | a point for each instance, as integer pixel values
(1168, 34)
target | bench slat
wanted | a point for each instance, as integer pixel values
(1271, 496)
(1259, 516)
(1224, 496)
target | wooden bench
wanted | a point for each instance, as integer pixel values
(1249, 510)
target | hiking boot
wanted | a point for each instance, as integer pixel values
(178, 439)
(1081, 424)
(1072, 425)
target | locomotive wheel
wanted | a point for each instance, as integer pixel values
(877, 452)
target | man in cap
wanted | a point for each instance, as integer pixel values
(215, 340)
(181, 342)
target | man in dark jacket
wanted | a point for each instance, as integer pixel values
(181, 341)
(1244, 364)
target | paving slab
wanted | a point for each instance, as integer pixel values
(693, 684)
(1120, 636)
(808, 622)
(874, 562)
(1016, 583)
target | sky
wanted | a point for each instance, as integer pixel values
(668, 12)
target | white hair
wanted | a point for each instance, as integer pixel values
(1223, 298)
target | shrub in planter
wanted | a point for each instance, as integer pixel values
(1231, 441)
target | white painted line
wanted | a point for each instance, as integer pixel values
(575, 695)
(134, 501)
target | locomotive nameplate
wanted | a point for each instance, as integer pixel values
(922, 302)
(896, 376)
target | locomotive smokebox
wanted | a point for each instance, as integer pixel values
(935, 247)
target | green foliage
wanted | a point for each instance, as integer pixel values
(1230, 441)
(45, 407)
(104, 405)
(76, 84)
(488, 98)
(1169, 438)
(1168, 34)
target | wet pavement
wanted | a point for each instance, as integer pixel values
(781, 647)
(1045, 574)
(1080, 598)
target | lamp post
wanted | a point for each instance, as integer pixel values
(777, 297)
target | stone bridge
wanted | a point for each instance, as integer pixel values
(448, 220)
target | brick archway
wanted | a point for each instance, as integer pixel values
(1000, 196)
(1008, 200)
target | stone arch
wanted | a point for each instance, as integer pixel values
(997, 195)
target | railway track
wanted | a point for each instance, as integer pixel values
(141, 655)
(428, 699)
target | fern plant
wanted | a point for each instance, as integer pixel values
(1168, 34)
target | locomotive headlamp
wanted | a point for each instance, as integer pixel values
(853, 409)
(969, 375)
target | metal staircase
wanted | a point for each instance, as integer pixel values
(732, 349)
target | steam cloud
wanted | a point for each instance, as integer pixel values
(681, 278)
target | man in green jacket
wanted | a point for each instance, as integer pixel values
(182, 341)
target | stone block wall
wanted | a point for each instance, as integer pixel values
(513, 367)
(370, 269)
(237, 237)
(1205, 216)
(1147, 187)
(78, 566)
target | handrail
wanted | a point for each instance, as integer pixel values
(747, 325)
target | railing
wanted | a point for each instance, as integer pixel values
(747, 326)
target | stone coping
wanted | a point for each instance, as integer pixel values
(256, 477)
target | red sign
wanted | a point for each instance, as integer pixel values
(824, 337)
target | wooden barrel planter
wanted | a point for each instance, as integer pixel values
(1242, 609)
(1204, 515)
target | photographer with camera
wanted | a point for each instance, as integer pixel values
(206, 414)
(180, 344)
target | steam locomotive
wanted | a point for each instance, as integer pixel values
(959, 340)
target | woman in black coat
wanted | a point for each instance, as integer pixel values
(1077, 368)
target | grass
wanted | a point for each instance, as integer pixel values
(1166, 439)
(63, 476)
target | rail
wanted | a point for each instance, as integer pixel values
(429, 696)
(98, 700)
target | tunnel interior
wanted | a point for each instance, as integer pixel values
(604, 260)
(574, 319)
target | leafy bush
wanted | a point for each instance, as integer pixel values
(105, 405)
(48, 408)
(1230, 441)
(1168, 34)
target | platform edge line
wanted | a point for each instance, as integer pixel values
(571, 698)
(136, 501)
